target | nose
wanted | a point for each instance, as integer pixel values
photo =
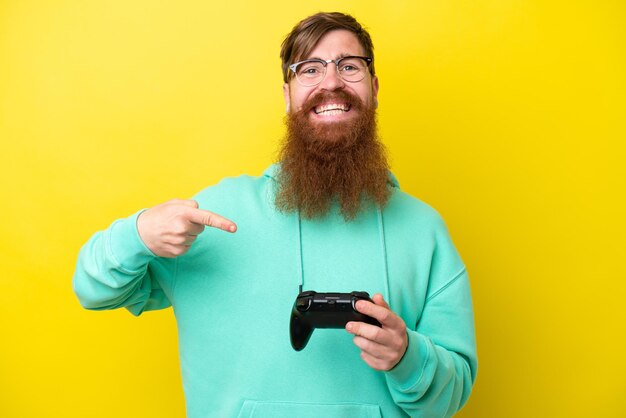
(331, 81)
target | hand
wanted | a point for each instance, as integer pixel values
(381, 348)
(170, 228)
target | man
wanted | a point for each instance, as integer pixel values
(329, 218)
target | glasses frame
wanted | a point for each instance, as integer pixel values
(325, 63)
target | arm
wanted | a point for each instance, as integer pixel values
(119, 267)
(115, 269)
(436, 375)
(430, 370)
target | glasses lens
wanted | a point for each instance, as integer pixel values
(352, 69)
(310, 73)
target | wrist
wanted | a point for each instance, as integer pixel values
(125, 245)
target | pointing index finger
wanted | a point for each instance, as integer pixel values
(208, 218)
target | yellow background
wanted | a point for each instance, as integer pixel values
(506, 115)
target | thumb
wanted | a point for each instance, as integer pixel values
(208, 218)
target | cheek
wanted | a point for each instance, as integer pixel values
(298, 99)
(299, 96)
(366, 95)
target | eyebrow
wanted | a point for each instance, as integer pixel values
(342, 55)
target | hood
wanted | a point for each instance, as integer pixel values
(272, 172)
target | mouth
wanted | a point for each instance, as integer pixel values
(331, 109)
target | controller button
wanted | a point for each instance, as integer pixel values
(303, 304)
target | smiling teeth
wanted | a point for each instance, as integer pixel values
(332, 109)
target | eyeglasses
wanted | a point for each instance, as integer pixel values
(311, 72)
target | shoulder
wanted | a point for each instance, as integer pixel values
(413, 212)
(232, 187)
(416, 223)
(236, 195)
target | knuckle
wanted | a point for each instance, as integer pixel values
(377, 333)
(385, 315)
(178, 240)
(364, 344)
(179, 227)
(378, 364)
(401, 323)
(170, 212)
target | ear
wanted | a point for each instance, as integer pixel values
(287, 97)
(375, 91)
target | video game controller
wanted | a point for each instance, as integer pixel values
(324, 310)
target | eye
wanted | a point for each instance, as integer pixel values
(309, 70)
(350, 66)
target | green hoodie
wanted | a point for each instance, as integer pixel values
(232, 296)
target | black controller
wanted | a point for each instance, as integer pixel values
(324, 310)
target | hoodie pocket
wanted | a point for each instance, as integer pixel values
(259, 409)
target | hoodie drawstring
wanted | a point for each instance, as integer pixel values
(300, 255)
(381, 233)
(383, 246)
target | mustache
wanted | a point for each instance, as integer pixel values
(343, 96)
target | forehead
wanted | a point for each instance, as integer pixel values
(336, 44)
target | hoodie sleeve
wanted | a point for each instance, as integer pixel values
(115, 269)
(436, 374)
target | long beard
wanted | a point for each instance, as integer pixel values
(326, 162)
